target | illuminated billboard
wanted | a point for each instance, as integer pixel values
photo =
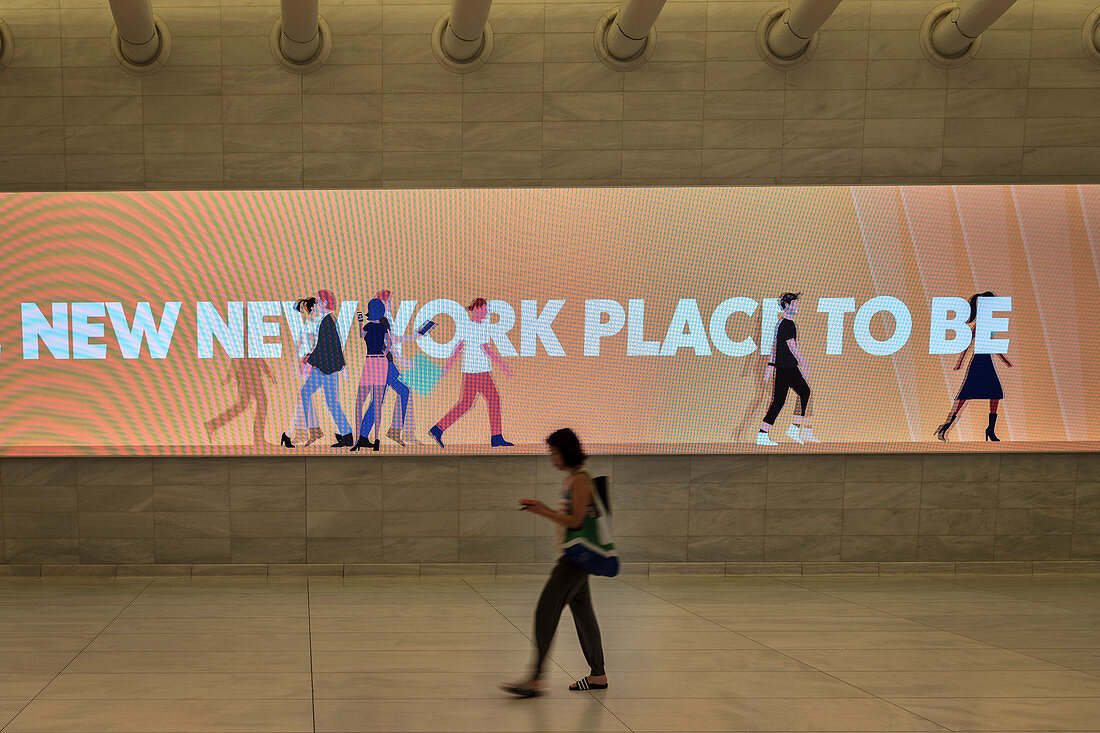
(650, 320)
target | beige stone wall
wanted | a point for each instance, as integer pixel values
(380, 509)
(867, 109)
(705, 109)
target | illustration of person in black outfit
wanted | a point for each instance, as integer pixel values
(786, 373)
(327, 360)
(397, 432)
(981, 383)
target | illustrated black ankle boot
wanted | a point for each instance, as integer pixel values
(361, 443)
(990, 433)
(941, 431)
(344, 441)
(286, 442)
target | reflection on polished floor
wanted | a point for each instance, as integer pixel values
(980, 653)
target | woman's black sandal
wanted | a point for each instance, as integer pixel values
(520, 689)
(583, 684)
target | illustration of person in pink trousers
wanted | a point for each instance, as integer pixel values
(479, 355)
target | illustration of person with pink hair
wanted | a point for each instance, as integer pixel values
(303, 422)
(479, 355)
(327, 361)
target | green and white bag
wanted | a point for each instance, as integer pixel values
(591, 547)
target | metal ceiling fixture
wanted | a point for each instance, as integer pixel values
(140, 40)
(952, 33)
(786, 36)
(300, 39)
(625, 37)
(462, 39)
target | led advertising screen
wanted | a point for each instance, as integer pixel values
(649, 320)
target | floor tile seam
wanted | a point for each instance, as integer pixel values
(1006, 594)
(834, 677)
(1007, 649)
(898, 616)
(309, 636)
(766, 646)
(75, 657)
(549, 656)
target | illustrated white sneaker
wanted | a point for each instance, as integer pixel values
(795, 433)
(808, 435)
(764, 439)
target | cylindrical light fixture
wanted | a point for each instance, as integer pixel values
(952, 35)
(465, 33)
(7, 45)
(137, 30)
(790, 35)
(140, 41)
(300, 38)
(627, 34)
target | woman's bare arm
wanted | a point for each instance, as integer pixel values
(582, 497)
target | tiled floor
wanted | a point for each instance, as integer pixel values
(982, 653)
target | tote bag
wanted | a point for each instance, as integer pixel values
(424, 374)
(591, 547)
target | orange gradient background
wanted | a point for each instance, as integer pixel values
(1036, 244)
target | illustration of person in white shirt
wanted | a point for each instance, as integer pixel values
(479, 355)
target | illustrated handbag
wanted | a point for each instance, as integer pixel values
(591, 547)
(424, 373)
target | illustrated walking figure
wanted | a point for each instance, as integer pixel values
(981, 383)
(479, 355)
(786, 373)
(378, 335)
(305, 341)
(397, 432)
(327, 361)
(249, 374)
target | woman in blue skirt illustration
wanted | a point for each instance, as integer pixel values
(981, 383)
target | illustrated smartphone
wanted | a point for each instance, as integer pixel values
(425, 328)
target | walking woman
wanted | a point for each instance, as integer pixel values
(568, 584)
(981, 383)
(379, 338)
(305, 340)
(397, 432)
(786, 373)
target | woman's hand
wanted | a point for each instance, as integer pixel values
(534, 506)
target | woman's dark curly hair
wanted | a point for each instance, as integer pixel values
(569, 446)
